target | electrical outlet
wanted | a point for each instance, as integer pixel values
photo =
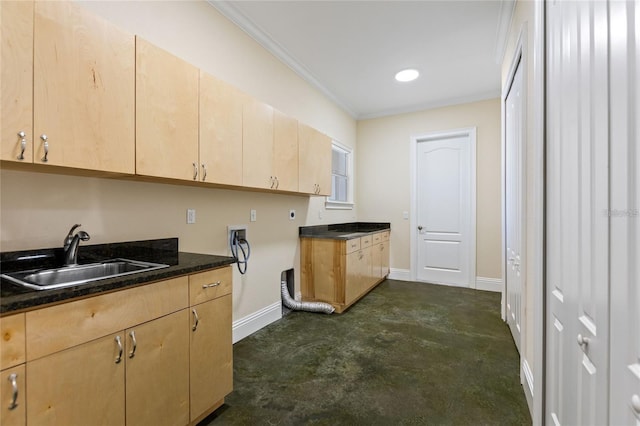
(253, 215)
(191, 216)
(405, 215)
(319, 214)
(292, 214)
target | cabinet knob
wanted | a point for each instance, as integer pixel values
(23, 144)
(134, 343)
(196, 320)
(45, 139)
(419, 227)
(13, 378)
(120, 349)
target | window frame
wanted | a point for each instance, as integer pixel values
(342, 205)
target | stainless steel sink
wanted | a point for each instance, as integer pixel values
(65, 276)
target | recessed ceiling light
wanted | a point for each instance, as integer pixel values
(407, 75)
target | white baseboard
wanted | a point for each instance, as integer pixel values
(257, 320)
(527, 385)
(489, 284)
(399, 274)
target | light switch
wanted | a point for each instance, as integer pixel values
(191, 216)
(253, 215)
(405, 215)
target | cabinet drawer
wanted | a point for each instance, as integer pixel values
(12, 344)
(385, 236)
(209, 285)
(365, 241)
(352, 245)
(377, 238)
(62, 326)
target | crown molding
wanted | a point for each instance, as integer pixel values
(432, 105)
(231, 12)
(504, 22)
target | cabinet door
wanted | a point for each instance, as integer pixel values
(384, 256)
(16, 80)
(157, 377)
(257, 145)
(220, 131)
(166, 114)
(211, 354)
(285, 152)
(314, 163)
(376, 260)
(83, 91)
(12, 411)
(83, 385)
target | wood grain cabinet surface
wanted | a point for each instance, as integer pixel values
(167, 90)
(83, 90)
(127, 357)
(220, 131)
(340, 272)
(16, 80)
(314, 164)
(285, 152)
(257, 145)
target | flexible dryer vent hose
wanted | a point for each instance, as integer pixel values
(293, 304)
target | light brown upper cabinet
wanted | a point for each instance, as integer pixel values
(220, 131)
(314, 161)
(285, 152)
(16, 75)
(166, 114)
(257, 145)
(83, 90)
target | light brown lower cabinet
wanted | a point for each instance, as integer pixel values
(143, 365)
(340, 272)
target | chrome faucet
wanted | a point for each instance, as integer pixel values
(71, 243)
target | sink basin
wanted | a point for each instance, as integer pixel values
(46, 279)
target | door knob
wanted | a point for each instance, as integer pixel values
(635, 403)
(583, 341)
(419, 227)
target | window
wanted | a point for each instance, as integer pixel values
(341, 178)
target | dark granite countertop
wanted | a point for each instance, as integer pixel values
(14, 298)
(343, 231)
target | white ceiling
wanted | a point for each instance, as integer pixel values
(351, 50)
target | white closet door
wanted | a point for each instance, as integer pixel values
(514, 200)
(577, 226)
(624, 212)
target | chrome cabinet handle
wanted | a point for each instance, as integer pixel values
(132, 334)
(216, 284)
(195, 171)
(45, 139)
(583, 341)
(277, 182)
(196, 320)
(119, 342)
(635, 403)
(23, 144)
(204, 172)
(13, 378)
(273, 181)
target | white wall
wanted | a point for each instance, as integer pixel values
(37, 209)
(384, 180)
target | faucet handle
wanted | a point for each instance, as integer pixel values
(69, 236)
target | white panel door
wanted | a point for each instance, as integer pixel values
(514, 197)
(443, 210)
(577, 233)
(624, 213)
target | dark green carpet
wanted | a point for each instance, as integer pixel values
(406, 354)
